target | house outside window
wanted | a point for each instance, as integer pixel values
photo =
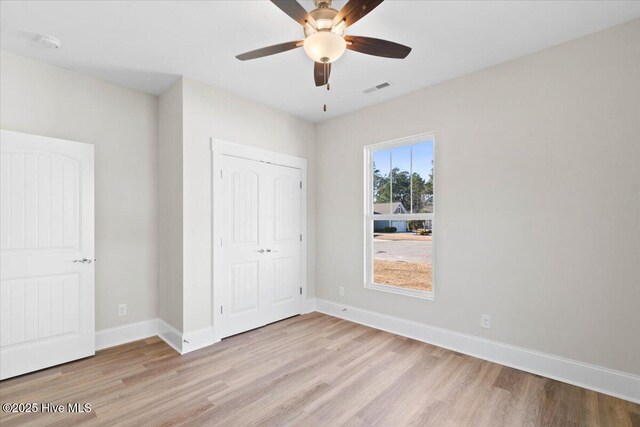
(399, 216)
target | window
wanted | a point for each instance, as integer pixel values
(399, 216)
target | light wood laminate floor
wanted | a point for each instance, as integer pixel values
(308, 370)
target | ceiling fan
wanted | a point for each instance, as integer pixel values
(325, 41)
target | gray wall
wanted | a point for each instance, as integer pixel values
(208, 112)
(45, 100)
(170, 237)
(537, 200)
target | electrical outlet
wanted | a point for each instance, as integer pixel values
(485, 321)
(122, 310)
(341, 291)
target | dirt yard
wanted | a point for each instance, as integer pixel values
(401, 236)
(410, 275)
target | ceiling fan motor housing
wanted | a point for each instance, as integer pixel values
(322, 3)
(324, 19)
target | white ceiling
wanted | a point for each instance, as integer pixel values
(146, 45)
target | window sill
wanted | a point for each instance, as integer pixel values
(401, 291)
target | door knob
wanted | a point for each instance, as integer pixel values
(261, 251)
(83, 260)
(269, 250)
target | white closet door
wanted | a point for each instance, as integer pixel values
(244, 279)
(282, 227)
(47, 231)
(261, 244)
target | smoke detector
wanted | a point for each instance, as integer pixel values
(49, 42)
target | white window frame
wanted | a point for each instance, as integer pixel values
(369, 217)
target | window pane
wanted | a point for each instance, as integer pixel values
(403, 258)
(401, 180)
(422, 178)
(381, 182)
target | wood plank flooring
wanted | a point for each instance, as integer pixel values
(308, 370)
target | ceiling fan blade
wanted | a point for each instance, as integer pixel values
(319, 74)
(354, 10)
(269, 50)
(377, 47)
(295, 11)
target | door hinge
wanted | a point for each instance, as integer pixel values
(220, 173)
(221, 310)
(301, 237)
(301, 185)
(300, 290)
(221, 241)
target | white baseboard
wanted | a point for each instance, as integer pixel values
(615, 383)
(195, 340)
(137, 331)
(309, 306)
(182, 343)
(170, 335)
(125, 333)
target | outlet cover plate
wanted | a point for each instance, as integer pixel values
(485, 321)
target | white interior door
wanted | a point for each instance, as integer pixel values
(261, 248)
(46, 252)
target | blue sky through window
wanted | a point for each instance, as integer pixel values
(422, 159)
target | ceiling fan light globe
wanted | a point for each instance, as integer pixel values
(324, 46)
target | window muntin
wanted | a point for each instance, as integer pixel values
(399, 216)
